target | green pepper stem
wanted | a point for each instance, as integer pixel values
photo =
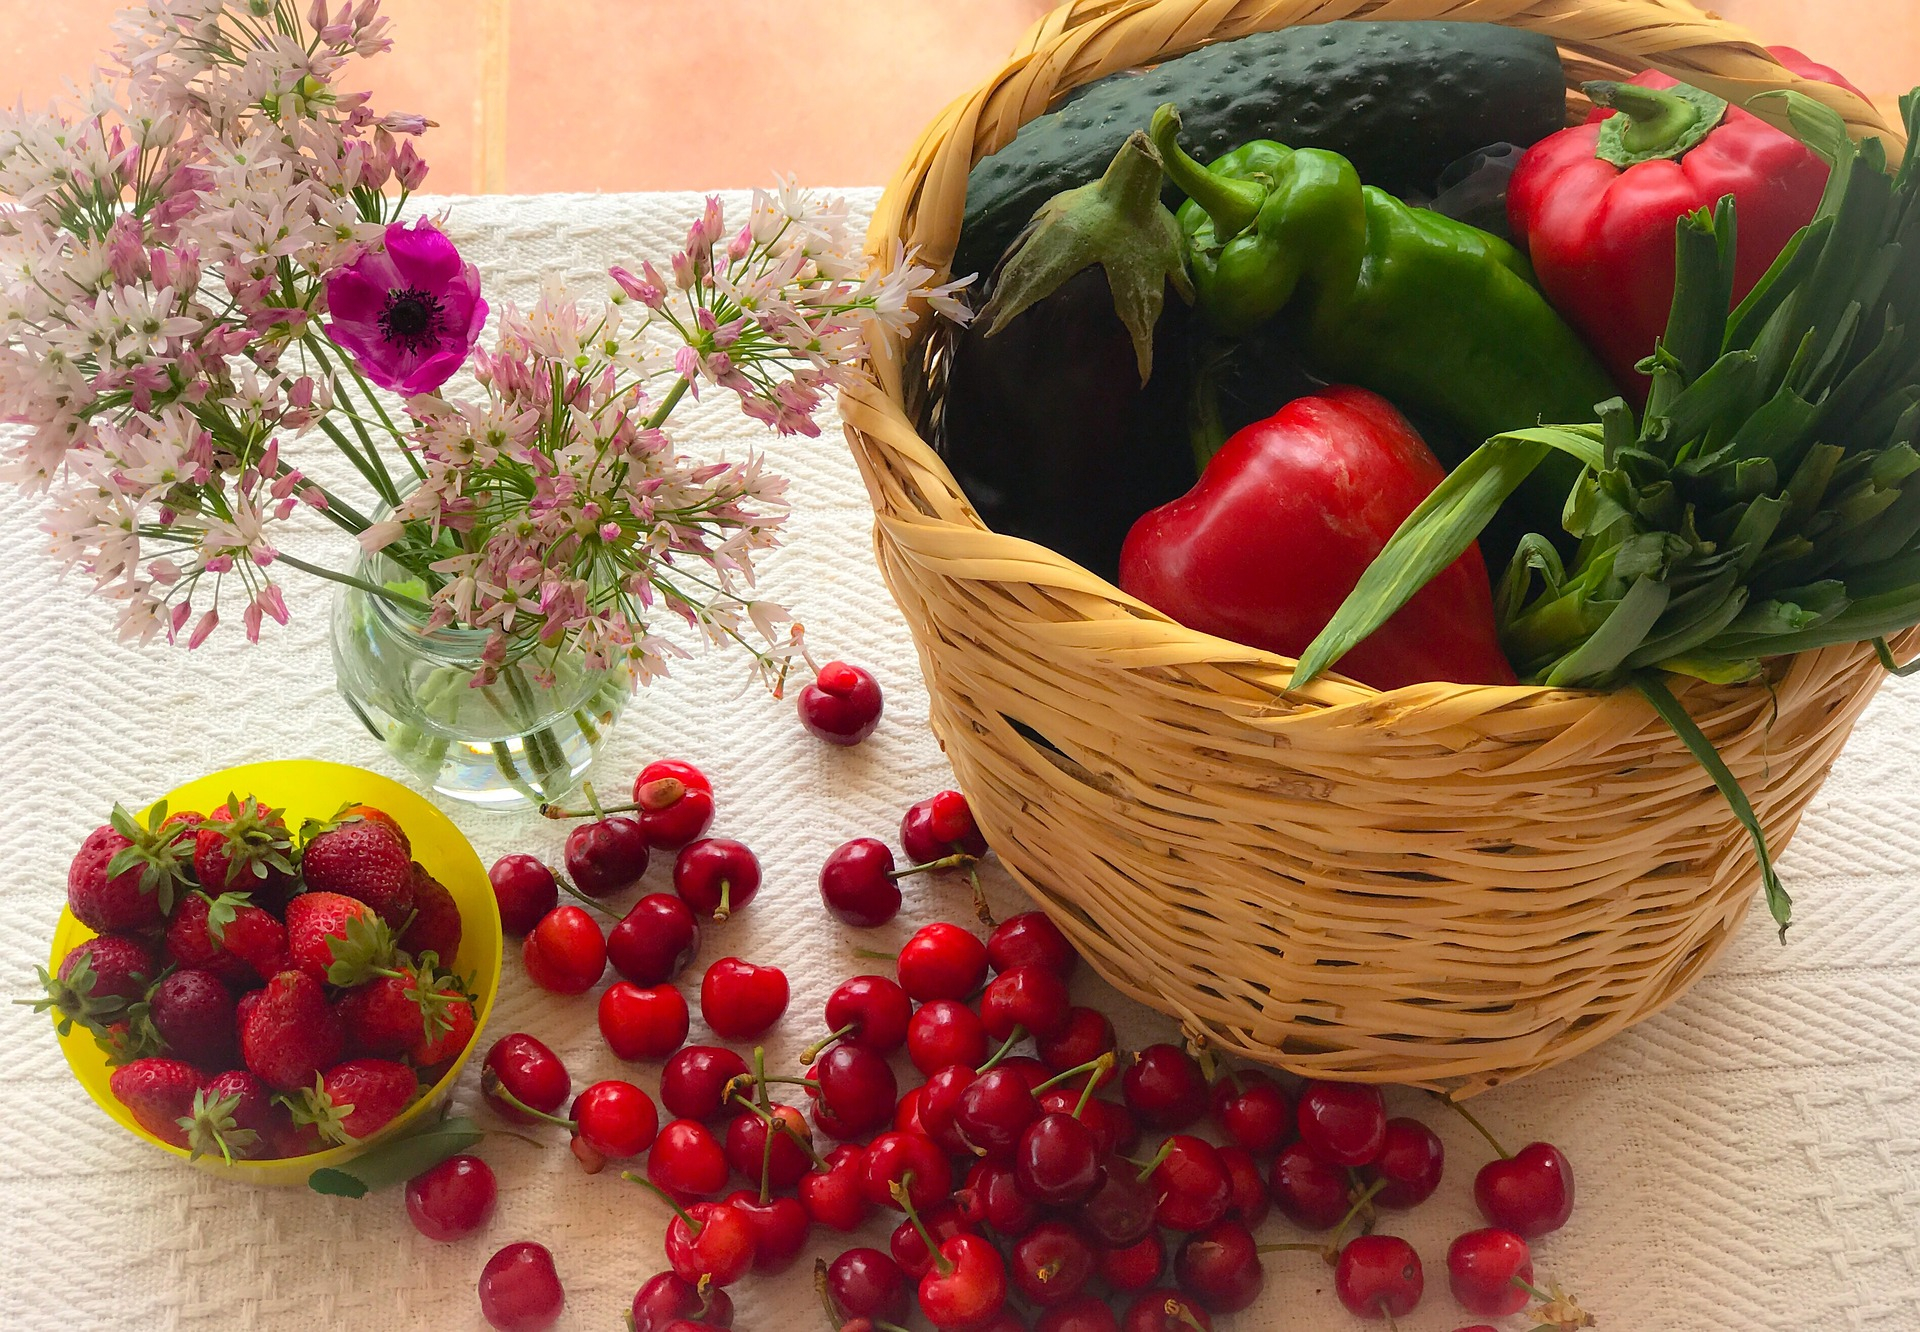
(1232, 204)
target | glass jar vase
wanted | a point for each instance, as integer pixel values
(524, 739)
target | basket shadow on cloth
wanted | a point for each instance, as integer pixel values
(1450, 886)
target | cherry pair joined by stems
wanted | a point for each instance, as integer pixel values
(860, 885)
(609, 1121)
(942, 825)
(966, 1283)
(672, 800)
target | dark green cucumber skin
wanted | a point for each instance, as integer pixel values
(1402, 101)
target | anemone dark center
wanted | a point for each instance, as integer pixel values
(411, 319)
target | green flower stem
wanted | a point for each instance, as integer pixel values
(667, 404)
(388, 491)
(349, 580)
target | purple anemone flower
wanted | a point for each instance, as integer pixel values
(408, 313)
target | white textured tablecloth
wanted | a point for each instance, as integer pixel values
(1748, 1160)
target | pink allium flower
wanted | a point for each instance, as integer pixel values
(410, 312)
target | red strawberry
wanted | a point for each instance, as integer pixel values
(381, 817)
(359, 858)
(227, 935)
(235, 1115)
(287, 1032)
(326, 928)
(97, 982)
(415, 1013)
(159, 1092)
(436, 920)
(446, 1036)
(194, 1013)
(124, 875)
(356, 1099)
(244, 847)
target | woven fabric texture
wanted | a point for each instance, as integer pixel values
(1749, 1159)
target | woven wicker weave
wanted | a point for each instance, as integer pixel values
(1444, 885)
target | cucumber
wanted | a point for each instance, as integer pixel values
(1402, 101)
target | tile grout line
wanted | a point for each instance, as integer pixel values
(490, 105)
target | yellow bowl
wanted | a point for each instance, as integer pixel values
(307, 788)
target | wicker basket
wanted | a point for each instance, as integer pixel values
(1443, 885)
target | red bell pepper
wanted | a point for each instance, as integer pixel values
(1596, 207)
(1280, 527)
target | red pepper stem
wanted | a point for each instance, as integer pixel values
(812, 1052)
(1654, 123)
(693, 1227)
(898, 1191)
(1472, 1119)
(1234, 205)
(1017, 1035)
(954, 861)
(490, 1085)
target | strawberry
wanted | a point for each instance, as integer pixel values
(356, 1099)
(245, 847)
(124, 875)
(160, 1093)
(358, 857)
(235, 1115)
(97, 981)
(287, 1032)
(228, 936)
(415, 1012)
(321, 925)
(436, 920)
(194, 1013)
(381, 817)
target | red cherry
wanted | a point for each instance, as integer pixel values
(785, 1160)
(779, 1228)
(942, 961)
(1057, 1161)
(1163, 1310)
(739, 1000)
(909, 1160)
(943, 1221)
(837, 1196)
(1192, 1182)
(687, 1161)
(530, 1071)
(1051, 1263)
(1247, 1199)
(676, 803)
(1082, 1313)
(940, 1104)
(613, 1121)
(716, 876)
(717, 1247)
(643, 1024)
(1086, 1035)
(1134, 1266)
(939, 826)
(992, 1197)
(520, 1291)
(606, 855)
(857, 1090)
(906, 1114)
(453, 1199)
(565, 953)
(1121, 1211)
(1220, 1267)
(1411, 1161)
(945, 1032)
(841, 705)
(857, 883)
(1031, 940)
(870, 1012)
(1378, 1276)
(1342, 1123)
(1252, 1110)
(1112, 1125)
(1489, 1272)
(1309, 1192)
(966, 1287)
(655, 939)
(1165, 1087)
(1025, 998)
(666, 1299)
(525, 890)
(994, 1111)
(866, 1283)
(1530, 1193)
(693, 1084)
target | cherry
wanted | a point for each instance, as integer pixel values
(992, 1196)
(1057, 1161)
(1025, 998)
(1192, 1183)
(709, 1242)
(966, 1285)
(941, 825)
(1134, 1266)
(675, 802)
(1164, 1310)
(868, 1011)
(1309, 1192)
(565, 953)
(1378, 1276)
(687, 1161)
(453, 1199)
(909, 1160)
(612, 1121)
(1220, 1267)
(994, 1111)
(1247, 1197)
(655, 939)
(940, 1104)
(1252, 1110)
(1411, 1162)
(1530, 1193)
(1031, 939)
(693, 1085)
(945, 1032)
(783, 1160)
(520, 1291)
(906, 1113)
(864, 1283)
(836, 1197)
(666, 1298)
(643, 1024)
(1342, 1123)
(716, 876)
(908, 1243)
(841, 705)
(857, 1089)
(942, 961)
(1112, 1125)
(1051, 1263)
(1082, 1313)
(607, 854)
(1165, 1087)
(1121, 1211)
(525, 890)
(1084, 1037)
(859, 883)
(1032, 1072)
(779, 1227)
(1490, 1272)
(530, 1072)
(739, 1000)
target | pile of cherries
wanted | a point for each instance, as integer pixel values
(1061, 1190)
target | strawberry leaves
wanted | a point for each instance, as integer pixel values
(75, 1001)
(313, 1105)
(154, 850)
(254, 839)
(366, 950)
(220, 913)
(210, 1127)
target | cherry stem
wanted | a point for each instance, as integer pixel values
(980, 906)
(766, 1161)
(1353, 1213)
(873, 955)
(781, 1125)
(954, 861)
(812, 1052)
(1147, 1168)
(1291, 1248)
(1102, 1066)
(490, 1085)
(1386, 1313)
(693, 1227)
(593, 800)
(1469, 1116)
(898, 1191)
(760, 1079)
(598, 811)
(725, 908)
(1104, 1063)
(575, 893)
(1177, 1309)
(1014, 1037)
